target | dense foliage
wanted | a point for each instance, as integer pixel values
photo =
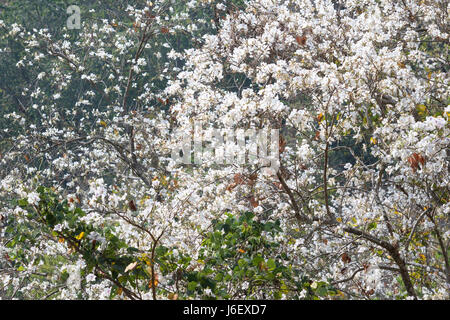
(94, 205)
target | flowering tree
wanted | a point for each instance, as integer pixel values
(91, 93)
(95, 205)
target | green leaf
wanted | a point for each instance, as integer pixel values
(192, 285)
(132, 250)
(257, 260)
(242, 263)
(372, 225)
(271, 265)
(321, 291)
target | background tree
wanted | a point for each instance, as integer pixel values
(94, 207)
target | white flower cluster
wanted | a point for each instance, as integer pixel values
(358, 91)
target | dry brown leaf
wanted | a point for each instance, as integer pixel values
(345, 258)
(132, 206)
(301, 40)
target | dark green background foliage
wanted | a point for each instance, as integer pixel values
(238, 259)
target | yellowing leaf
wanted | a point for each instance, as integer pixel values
(119, 291)
(144, 257)
(173, 296)
(421, 108)
(103, 123)
(80, 236)
(373, 140)
(320, 117)
(153, 282)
